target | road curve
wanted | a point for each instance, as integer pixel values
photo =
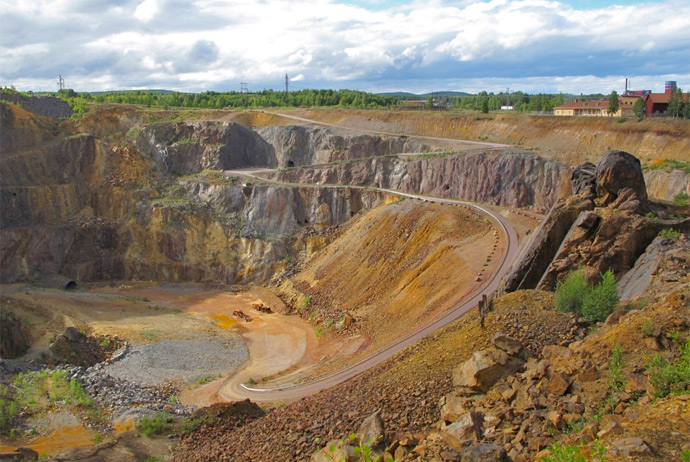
(233, 389)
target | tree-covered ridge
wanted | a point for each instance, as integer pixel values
(233, 99)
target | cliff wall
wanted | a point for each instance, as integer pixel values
(512, 179)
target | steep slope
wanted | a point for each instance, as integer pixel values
(397, 266)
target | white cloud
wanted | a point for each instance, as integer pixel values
(185, 45)
(146, 10)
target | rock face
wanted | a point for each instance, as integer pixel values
(81, 207)
(665, 185)
(512, 179)
(183, 148)
(48, 106)
(295, 146)
(14, 335)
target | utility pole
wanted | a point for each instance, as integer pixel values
(244, 89)
(287, 83)
(61, 83)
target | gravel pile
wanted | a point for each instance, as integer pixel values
(122, 397)
(140, 380)
(158, 363)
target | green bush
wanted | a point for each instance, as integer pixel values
(681, 199)
(670, 233)
(155, 424)
(600, 301)
(574, 295)
(670, 377)
(569, 292)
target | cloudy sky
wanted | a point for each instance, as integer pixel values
(574, 46)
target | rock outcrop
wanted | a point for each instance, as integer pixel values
(512, 179)
(94, 209)
(14, 335)
(608, 230)
(183, 148)
(298, 145)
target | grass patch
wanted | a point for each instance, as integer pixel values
(575, 453)
(669, 165)
(670, 377)
(35, 392)
(155, 424)
(681, 199)
(150, 334)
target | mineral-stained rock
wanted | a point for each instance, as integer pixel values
(544, 243)
(469, 426)
(559, 383)
(632, 446)
(617, 170)
(484, 368)
(334, 450)
(372, 431)
(484, 452)
(508, 344)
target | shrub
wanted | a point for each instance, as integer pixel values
(573, 295)
(600, 301)
(681, 199)
(569, 292)
(670, 233)
(8, 409)
(616, 364)
(155, 424)
(670, 377)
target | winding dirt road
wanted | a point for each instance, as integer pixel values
(233, 388)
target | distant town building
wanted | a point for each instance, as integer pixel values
(584, 108)
(656, 104)
(507, 108)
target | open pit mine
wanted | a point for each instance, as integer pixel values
(341, 285)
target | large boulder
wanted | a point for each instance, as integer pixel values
(372, 431)
(617, 170)
(484, 369)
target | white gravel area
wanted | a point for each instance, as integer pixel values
(161, 362)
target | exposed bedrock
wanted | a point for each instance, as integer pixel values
(666, 185)
(512, 179)
(608, 230)
(224, 233)
(183, 148)
(297, 145)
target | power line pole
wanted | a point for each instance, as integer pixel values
(287, 83)
(61, 83)
(244, 89)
